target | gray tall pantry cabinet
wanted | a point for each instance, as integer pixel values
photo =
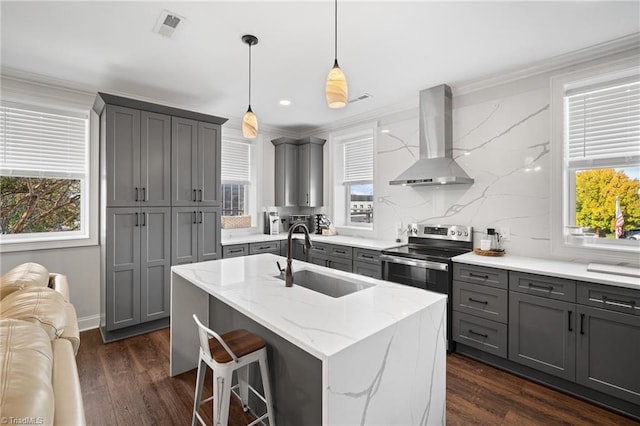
(159, 171)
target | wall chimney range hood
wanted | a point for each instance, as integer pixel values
(436, 165)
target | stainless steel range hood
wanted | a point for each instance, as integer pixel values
(436, 165)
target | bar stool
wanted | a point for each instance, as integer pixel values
(232, 351)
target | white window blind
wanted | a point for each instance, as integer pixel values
(358, 159)
(604, 122)
(39, 144)
(236, 161)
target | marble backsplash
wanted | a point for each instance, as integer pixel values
(503, 142)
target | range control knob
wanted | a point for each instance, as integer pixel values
(452, 232)
(459, 232)
(466, 234)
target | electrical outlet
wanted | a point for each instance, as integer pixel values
(505, 234)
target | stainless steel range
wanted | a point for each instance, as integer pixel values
(425, 262)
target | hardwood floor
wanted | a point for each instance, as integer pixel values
(127, 383)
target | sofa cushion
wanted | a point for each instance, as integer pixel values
(23, 276)
(26, 363)
(42, 306)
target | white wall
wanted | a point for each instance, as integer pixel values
(81, 265)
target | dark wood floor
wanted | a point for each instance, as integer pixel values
(127, 383)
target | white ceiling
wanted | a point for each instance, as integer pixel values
(389, 49)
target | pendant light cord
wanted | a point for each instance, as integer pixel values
(249, 74)
(335, 27)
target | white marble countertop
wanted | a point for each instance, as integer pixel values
(556, 268)
(319, 324)
(367, 243)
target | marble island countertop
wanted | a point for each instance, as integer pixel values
(360, 242)
(556, 268)
(319, 324)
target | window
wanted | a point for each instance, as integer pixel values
(237, 188)
(602, 162)
(44, 176)
(354, 192)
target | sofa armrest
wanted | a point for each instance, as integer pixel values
(71, 331)
(69, 407)
(59, 283)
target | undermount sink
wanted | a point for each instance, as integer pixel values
(326, 284)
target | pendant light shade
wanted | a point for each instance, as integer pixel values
(249, 121)
(249, 124)
(336, 90)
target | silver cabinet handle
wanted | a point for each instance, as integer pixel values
(626, 304)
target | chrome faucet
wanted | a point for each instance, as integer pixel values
(288, 273)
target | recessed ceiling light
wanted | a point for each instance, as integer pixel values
(285, 102)
(384, 131)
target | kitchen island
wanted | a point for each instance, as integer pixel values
(375, 356)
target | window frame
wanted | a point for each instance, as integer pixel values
(251, 191)
(88, 235)
(341, 190)
(563, 175)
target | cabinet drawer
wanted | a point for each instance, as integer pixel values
(340, 264)
(367, 269)
(343, 252)
(365, 255)
(481, 300)
(481, 275)
(543, 286)
(488, 336)
(321, 249)
(625, 300)
(235, 250)
(265, 247)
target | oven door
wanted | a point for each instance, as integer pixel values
(427, 275)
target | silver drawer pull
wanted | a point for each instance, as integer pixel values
(533, 286)
(626, 304)
(236, 250)
(478, 334)
(484, 302)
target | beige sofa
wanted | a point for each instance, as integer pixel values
(39, 339)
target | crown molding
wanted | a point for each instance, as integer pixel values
(629, 44)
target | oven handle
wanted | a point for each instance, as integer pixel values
(424, 264)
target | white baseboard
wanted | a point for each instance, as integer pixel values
(88, 323)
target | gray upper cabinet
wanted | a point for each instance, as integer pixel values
(310, 155)
(195, 162)
(138, 157)
(299, 172)
(286, 172)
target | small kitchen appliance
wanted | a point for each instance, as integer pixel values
(425, 262)
(271, 223)
(300, 218)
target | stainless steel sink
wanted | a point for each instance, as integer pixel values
(326, 284)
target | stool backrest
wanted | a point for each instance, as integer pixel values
(204, 333)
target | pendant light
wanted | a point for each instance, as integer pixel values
(249, 121)
(336, 90)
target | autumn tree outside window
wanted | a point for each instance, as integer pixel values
(44, 174)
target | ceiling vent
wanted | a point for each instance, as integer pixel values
(168, 23)
(360, 98)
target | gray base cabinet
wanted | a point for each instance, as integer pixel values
(331, 256)
(609, 352)
(480, 306)
(137, 265)
(542, 334)
(235, 250)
